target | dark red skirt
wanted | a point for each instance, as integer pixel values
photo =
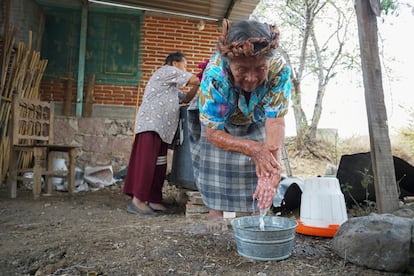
(147, 167)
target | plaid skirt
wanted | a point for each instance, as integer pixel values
(226, 180)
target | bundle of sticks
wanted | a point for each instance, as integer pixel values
(21, 73)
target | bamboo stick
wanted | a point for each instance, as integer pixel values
(38, 78)
(7, 65)
(4, 164)
(6, 59)
(7, 54)
(22, 73)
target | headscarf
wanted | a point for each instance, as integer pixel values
(247, 47)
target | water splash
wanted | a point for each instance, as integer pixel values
(263, 213)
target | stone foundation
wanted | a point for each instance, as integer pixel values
(101, 141)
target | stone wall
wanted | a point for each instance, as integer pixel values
(101, 141)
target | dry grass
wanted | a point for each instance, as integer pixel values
(326, 154)
(399, 147)
(305, 165)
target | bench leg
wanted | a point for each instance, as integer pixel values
(12, 178)
(49, 186)
(37, 172)
(71, 171)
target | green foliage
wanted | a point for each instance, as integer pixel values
(368, 206)
(389, 6)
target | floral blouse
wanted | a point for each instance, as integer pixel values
(160, 108)
(221, 101)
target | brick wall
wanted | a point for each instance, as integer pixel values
(107, 136)
(161, 36)
(165, 35)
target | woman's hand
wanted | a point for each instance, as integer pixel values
(265, 159)
(265, 190)
(264, 155)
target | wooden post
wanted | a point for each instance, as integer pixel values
(82, 56)
(87, 110)
(67, 108)
(381, 154)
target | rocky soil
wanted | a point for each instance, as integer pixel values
(90, 233)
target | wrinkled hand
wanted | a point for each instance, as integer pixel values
(265, 160)
(265, 190)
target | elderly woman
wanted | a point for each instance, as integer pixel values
(237, 125)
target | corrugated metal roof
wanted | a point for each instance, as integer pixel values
(216, 10)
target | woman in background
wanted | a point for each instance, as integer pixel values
(156, 124)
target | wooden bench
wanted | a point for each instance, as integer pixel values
(32, 148)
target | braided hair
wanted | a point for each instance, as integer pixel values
(248, 38)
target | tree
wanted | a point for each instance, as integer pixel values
(314, 43)
(322, 61)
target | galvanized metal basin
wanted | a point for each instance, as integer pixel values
(274, 243)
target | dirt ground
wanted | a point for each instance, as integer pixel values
(90, 233)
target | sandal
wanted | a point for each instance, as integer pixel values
(158, 211)
(133, 209)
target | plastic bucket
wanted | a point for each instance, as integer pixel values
(322, 208)
(274, 243)
(182, 174)
(58, 165)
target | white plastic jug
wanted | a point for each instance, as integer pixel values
(322, 206)
(58, 165)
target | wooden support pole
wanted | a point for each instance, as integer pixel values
(386, 193)
(82, 55)
(88, 106)
(67, 108)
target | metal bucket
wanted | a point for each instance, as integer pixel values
(274, 243)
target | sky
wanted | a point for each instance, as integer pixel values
(344, 102)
